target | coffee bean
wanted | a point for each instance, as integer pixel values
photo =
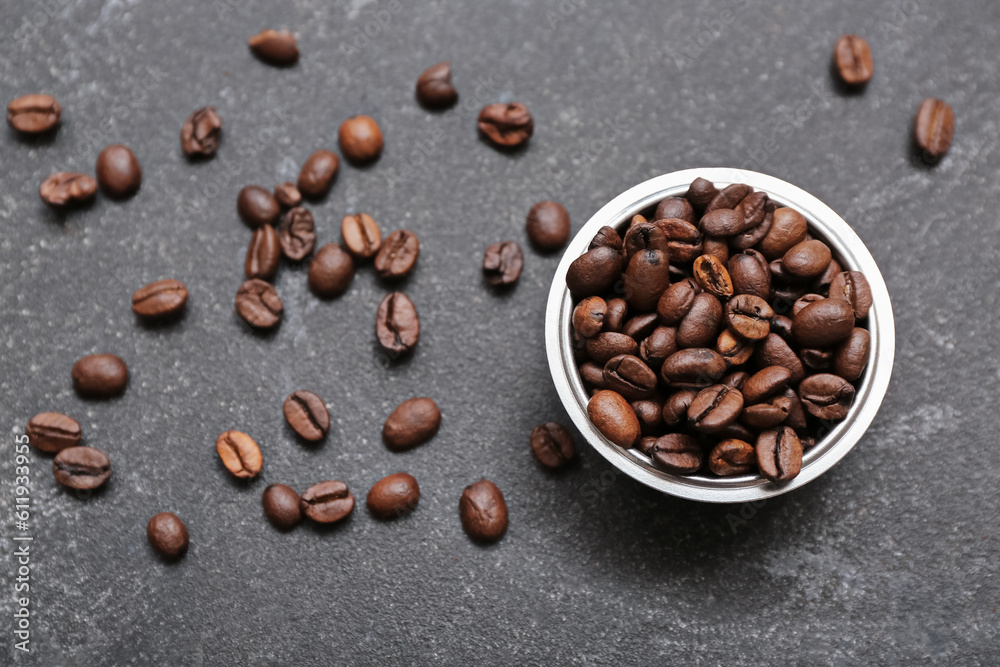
(750, 237)
(397, 325)
(592, 374)
(677, 301)
(606, 237)
(34, 113)
(722, 222)
(594, 272)
(750, 274)
(331, 271)
(588, 316)
(614, 320)
(51, 432)
(823, 323)
(65, 188)
(736, 379)
(483, 511)
(412, 423)
(715, 407)
(934, 127)
(307, 415)
(548, 226)
(360, 139)
(851, 356)
(779, 454)
(807, 259)
(853, 58)
(796, 418)
(735, 350)
(327, 502)
(100, 376)
(774, 351)
(394, 496)
(644, 236)
(502, 263)
(297, 234)
(764, 383)
(816, 360)
(263, 254)
(684, 241)
(610, 344)
(717, 247)
(822, 283)
(318, 174)
(552, 445)
(398, 255)
(257, 206)
(81, 468)
(749, 316)
(826, 396)
(258, 304)
(649, 411)
(712, 276)
(362, 235)
(677, 208)
(168, 535)
(647, 276)
(434, 87)
(201, 133)
(118, 172)
(752, 209)
(732, 457)
(701, 193)
(788, 230)
(506, 125)
(676, 407)
(629, 376)
(768, 414)
(694, 367)
(782, 326)
(852, 286)
(282, 506)
(677, 453)
(275, 47)
(641, 326)
(655, 348)
(611, 414)
(804, 301)
(160, 300)
(700, 325)
(239, 454)
(287, 195)
(729, 197)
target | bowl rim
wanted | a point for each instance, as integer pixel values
(832, 446)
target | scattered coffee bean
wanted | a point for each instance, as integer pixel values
(35, 113)
(398, 255)
(362, 235)
(412, 423)
(506, 125)
(239, 454)
(548, 226)
(552, 445)
(483, 511)
(118, 172)
(201, 133)
(168, 535)
(100, 376)
(51, 432)
(614, 418)
(394, 496)
(81, 468)
(853, 58)
(275, 47)
(331, 271)
(257, 206)
(779, 454)
(307, 415)
(434, 87)
(360, 139)
(258, 304)
(297, 234)
(327, 502)
(677, 453)
(934, 128)
(65, 188)
(318, 174)
(160, 300)
(287, 195)
(502, 263)
(282, 506)
(263, 254)
(732, 457)
(397, 325)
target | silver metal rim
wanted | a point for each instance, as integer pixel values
(842, 437)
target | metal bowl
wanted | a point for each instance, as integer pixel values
(824, 223)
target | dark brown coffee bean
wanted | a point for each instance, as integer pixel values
(657, 346)
(362, 235)
(677, 300)
(592, 374)
(239, 454)
(774, 351)
(507, 125)
(160, 300)
(649, 411)
(397, 325)
(434, 87)
(282, 506)
(804, 301)
(644, 236)
(168, 535)
(483, 511)
(722, 222)
(118, 172)
(796, 418)
(307, 415)
(81, 468)
(606, 237)
(779, 454)
(614, 320)
(412, 423)
(360, 139)
(287, 195)
(257, 206)
(853, 58)
(552, 445)
(934, 128)
(701, 324)
(548, 226)
(732, 457)
(788, 229)
(684, 241)
(826, 396)
(35, 113)
(297, 234)
(258, 304)
(51, 432)
(717, 247)
(807, 259)
(629, 376)
(693, 367)
(502, 263)
(645, 279)
(712, 276)
(398, 255)
(677, 453)
(851, 356)
(750, 274)
(201, 133)
(701, 193)
(275, 47)
(749, 316)
(676, 407)
(594, 272)
(729, 197)
(752, 236)
(100, 376)
(318, 174)
(816, 360)
(331, 271)
(715, 407)
(768, 414)
(782, 326)
(263, 254)
(641, 326)
(736, 350)
(751, 208)
(853, 287)
(608, 344)
(823, 323)
(65, 188)
(327, 502)
(764, 383)
(394, 496)
(736, 379)
(677, 208)
(611, 414)
(588, 316)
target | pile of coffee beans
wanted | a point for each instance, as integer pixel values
(715, 332)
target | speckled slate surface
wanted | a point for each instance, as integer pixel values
(891, 558)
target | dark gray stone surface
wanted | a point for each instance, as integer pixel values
(891, 558)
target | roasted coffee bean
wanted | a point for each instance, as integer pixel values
(701, 193)
(282, 506)
(853, 59)
(318, 174)
(160, 300)
(715, 407)
(826, 396)
(700, 325)
(35, 113)
(307, 415)
(749, 316)
(774, 351)
(764, 383)
(239, 454)
(100, 376)
(608, 344)
(934, 128)
(588, 316)
(647, 276)
(275, 47)
(736, 379)
(717, 247)
(360, 139)
(594, 272)
(263, 254)
(611, 414)
(552, 445)
(502, 263)
(657, 346)
(675, 408)
(362, 235)
(852, 286)
(779, 454)
(629, 376)
(752, 236)
(258, 304)
(782, 326)
(751, 208)
(81, 468)
(398, 255)
(821, 285)
(118, 172)
(592, 374)
(807, 259)
(51, 432)
(788, 230)
(397, 325)
(677, 300)
(650, 414)
(722, 222)
(796, 418)
(851, 356)
(732, 457)
(507, 125)
(483, 511)
(736, 350)
(257, 206)
(641, 326)
(434, 87)
(394, 496)
(766, 415)
(287, 195)
(201, 133)
(548, 226)
(644, 236)
(331, 271)
(638, 219)
(729, 197)
(168, 535)
(614, 320)
(823, 323)
(693, 367)
(65, 188)
(607, 237)
(712, 276)
(684, 241)
(327, 502)
(750, 274)
(645, 444)
(804, 301)
(677, 453)
(412, 423)
(816, 360)
(297, 234)
(677, 208)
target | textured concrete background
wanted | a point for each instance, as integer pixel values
(890, 558)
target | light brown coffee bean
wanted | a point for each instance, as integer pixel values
(393, 496)
(779, 454)
(934, 128)
(732, 457)
(35, 113)
(853, 58)
(263, 254)
(612, 415)
(51, 432)
(160, 299)
(712, 276)
(362, 235)
(81, 468)
(239, 454)
(100, 376)
(483, 511)
(65, 188)
(412, 423)
(275, 47)
(327, 502)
